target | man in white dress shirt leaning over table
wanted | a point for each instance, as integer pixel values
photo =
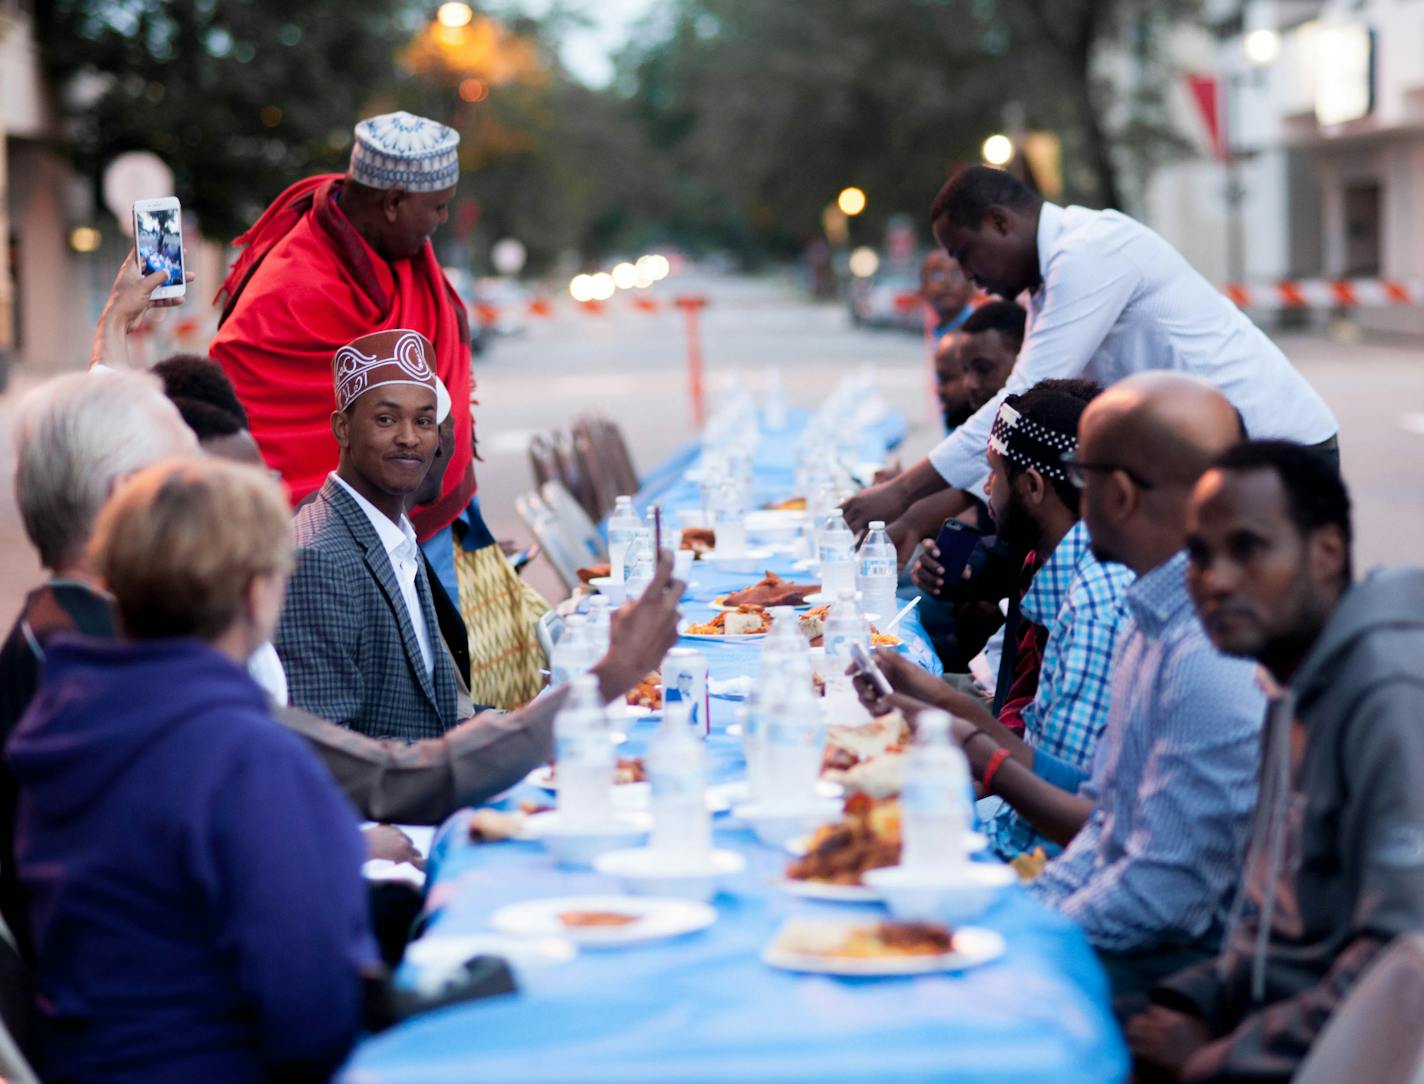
(1107, 298)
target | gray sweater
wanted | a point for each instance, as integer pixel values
(1336, 863)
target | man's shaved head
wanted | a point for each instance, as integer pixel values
(1147, 440)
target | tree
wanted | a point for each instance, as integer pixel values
(240, 99)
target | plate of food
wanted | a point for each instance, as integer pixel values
(771, 590)
(813, 627)
(869, 949)
(791, 504)
(645, 697)
(743, 623)
(604, 921)
(700, 540)
(628, 770)
(837, 854)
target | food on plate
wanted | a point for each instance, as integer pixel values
(493, 825)
(791, 504)
(868, 759)
(743, 621)
(628, 770)
(771, 590)
(648, 693)
(1029, 865)
(883, 639)
(586, 919)
(594, 572)
(860, 941)
(699, 540)
(867, 837)
(813, 627)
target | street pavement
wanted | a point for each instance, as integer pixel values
(632, 366)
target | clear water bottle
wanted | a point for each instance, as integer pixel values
(640, 566)
(600, 625)
(623, 527)
(877, 572)
(844, 626)
(677, 775)
(729, 518)
(784, 653)
(584, 756)
(836, 545)
(774, 410)
(794, 735)
(571, 655)
(934, 799)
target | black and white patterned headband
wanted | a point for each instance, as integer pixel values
(1024, 441)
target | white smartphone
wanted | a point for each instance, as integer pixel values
(158, 243)
(865, 667)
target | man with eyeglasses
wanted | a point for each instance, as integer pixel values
(1155, 833)
(1107, 297)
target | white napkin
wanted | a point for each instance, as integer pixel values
(737, 688)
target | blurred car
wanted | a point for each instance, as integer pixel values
(501, 306)
(891, 300)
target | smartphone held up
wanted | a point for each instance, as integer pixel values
(158, 243)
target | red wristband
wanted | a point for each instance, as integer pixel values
(992, 768)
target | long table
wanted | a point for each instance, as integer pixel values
(704, 1007)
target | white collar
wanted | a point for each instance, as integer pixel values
(394, 537)
(1050, 227)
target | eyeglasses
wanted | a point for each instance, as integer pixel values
(1078, 471)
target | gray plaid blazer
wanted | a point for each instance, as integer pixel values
(345, 638)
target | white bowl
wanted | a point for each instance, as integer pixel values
(777, 822)
(579, 844)
(607, 586)
(646, 872)
(951, 895)
(748, 561)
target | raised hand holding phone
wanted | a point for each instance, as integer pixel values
(158, 244)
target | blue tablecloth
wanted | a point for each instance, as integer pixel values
(704, 1007)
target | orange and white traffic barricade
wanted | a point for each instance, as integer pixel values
(1328, 294)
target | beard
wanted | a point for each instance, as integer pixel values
(1017, 527)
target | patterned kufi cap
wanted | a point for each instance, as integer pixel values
(1020, 439)
(401, 150)
(398, 356)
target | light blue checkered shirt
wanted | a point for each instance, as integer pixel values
(1173, 784)
(1080, 601)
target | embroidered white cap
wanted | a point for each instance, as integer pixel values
(401, 150)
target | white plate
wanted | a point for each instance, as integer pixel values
(973, 842)
(740, 792)
(973, 945)
(628, 796)
(718, 604)
(444, 953)
(721, 638)
(630, 711)
(658, 919)
(775, 519)
(822, 598)
(821, 890)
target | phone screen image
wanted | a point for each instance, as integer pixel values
(160, 243)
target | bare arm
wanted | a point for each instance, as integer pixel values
(889, 500)
(129, 298)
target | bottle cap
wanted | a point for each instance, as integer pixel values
(877, 525)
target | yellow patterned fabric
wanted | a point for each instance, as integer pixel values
(500, 612)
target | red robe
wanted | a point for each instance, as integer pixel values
(305, 286)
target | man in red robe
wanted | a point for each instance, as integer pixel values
(338, 257)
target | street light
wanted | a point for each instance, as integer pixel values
(851, 201)
(998, 150)
(454, 14)
(864, 262)
(1261, 46)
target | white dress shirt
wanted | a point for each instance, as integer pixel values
(401, 548)
(1116, 299)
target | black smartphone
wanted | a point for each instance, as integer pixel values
(865, 666)
(956, 543)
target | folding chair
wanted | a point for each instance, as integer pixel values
(1369, 1038)
(545, 527)
(578, 528)
(548, 631)
(602, 482)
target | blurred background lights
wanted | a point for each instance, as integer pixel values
(625, 276)
(864, 262)
(1261, 46)
(581, 288)
(454, 14)
(851, 201)
(998, 150)
(601, 286)
(654, 267)
(85, 239)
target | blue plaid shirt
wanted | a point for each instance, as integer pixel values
(1173, 784)
(1079, 600)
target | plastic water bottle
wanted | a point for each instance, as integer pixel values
(785, 655)
(584, 755)
(844, 626)
(794, 735)
(934, 799)
(836, 545)
(876, 573)
(623, 528)
(728, 518)
(677, 774)
(600, 625)
(571, 654)
(640, 566)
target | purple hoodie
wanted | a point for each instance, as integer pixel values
(194, 875)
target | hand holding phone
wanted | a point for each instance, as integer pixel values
(865, 667)
(158, 244)
(955, 545)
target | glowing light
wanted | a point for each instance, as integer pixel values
(454, 14)
(998, 150)
(653, 267)
(581, 288)
(473, 90)
(601, 286)
(864, 262)
(85, 239)
(625, 276)
(851, 201)
(1261, 46)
